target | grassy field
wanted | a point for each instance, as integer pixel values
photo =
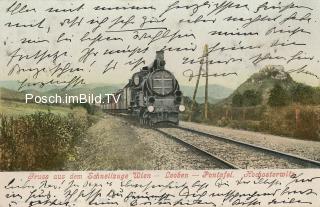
(14, 108)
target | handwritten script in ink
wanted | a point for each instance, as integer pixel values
(161, 188)
(74, 42)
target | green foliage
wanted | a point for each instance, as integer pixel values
(237, 100)
(303, 94)
(294, 121)
(248, 98)
(39, 141)
(309, 124)
(278, 96)
(251, 98)
(317, 95)
(89, 108)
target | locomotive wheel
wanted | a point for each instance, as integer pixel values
(150, 124)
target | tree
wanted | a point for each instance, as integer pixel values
(278, 96)
(237, 100)
(251, 98)
(303, 94)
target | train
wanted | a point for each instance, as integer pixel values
(152, 95)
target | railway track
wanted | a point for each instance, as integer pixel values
(223, 163)
(235, 154)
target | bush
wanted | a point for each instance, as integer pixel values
(309, 123)
(89, 108)
(275, 121)
(295, 121)
(40, 141)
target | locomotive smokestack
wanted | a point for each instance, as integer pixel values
(159, 62)
(160, 55)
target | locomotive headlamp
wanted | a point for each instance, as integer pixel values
(136, 80)
(182, 108)
(151, 108)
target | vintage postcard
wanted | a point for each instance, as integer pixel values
(159, 103)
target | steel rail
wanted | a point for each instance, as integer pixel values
(201, 151)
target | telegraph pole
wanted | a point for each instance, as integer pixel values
(197, 84)
(207, 80)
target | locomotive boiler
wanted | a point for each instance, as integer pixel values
(152, 95)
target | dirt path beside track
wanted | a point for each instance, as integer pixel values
(115, 143)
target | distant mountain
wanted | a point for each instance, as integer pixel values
(263, 82)
(88, 89)
(14, 85)
(215, 92)
(32, 91)
(11, 94)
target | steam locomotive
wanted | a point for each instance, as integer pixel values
(152, 95)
